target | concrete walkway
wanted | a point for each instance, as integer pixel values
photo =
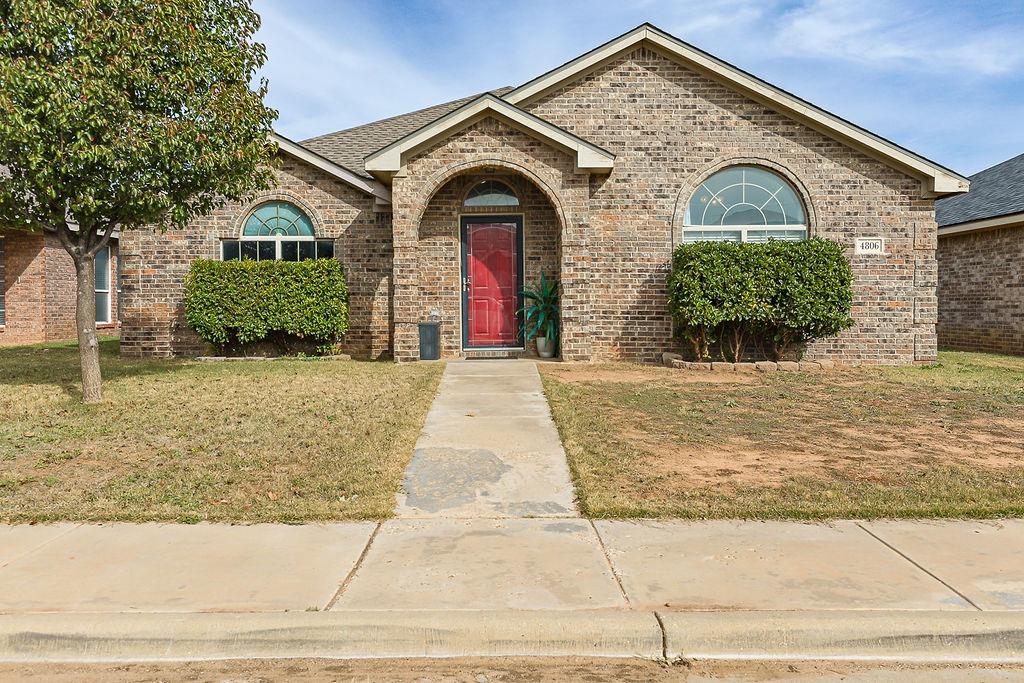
(488, 448)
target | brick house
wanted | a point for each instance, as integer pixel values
(981, 262)
(37, 289)
(590, 173)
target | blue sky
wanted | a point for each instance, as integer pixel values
(944, 78)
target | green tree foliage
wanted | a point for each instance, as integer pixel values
(118, 114)
(778, 294)
(232, 304)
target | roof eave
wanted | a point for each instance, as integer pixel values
(372, 187)
(994, 223)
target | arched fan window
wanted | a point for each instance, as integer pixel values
(745, 204)
(490, 193)
(277, 230)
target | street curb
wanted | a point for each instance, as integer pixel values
(840, 635)
(847, 635)
(131, 637)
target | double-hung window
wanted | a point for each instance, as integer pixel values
(102, 265)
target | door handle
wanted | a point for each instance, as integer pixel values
(466, 282)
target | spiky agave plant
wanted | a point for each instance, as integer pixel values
(540, 310)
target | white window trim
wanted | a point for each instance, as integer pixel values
(742, 229)
(108, 320)
(278, 239)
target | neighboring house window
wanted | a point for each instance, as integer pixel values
(744, 204)
(277, 231)
(490, 193)
(3, 287)
(102, 264)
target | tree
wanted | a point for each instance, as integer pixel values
(126, 114)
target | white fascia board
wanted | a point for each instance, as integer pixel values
(938, 181)
(296, 150)
(1012, 220)
(588, 157)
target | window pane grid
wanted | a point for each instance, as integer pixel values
(296, 249)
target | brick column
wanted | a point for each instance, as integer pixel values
(405, 273)
(576, 296)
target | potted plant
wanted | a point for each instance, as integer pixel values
(540, 316)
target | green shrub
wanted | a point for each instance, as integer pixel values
(236, 304)
(777, 294)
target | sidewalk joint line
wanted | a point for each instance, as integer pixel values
(355, 568)
(611, 567)
(916, 564)
(37, 548)
(664, 635)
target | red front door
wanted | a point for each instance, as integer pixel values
(491, 283)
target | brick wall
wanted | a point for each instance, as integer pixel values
(439, 249)
(24, 288)
(669, 127)
(155, 264)
(981, 291)
(39, 281)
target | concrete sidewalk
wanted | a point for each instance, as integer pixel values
(488, 556)
(935, 591)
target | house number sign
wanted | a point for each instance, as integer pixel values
(870, 245)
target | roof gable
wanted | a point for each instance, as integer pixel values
(589, 157)
(937, 180)
(350, 147)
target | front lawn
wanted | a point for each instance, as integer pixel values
(287, 440)
(942, 441)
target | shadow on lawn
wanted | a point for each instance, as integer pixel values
(57, 364)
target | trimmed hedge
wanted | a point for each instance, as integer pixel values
(234, 304)
(774, 295)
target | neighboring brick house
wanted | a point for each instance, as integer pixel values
(981, 262)
(37, 289)
(591, 173)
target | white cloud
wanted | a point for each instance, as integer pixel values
(896, 36)
(323, 78)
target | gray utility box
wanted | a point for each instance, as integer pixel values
(430, 341)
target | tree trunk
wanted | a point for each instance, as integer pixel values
(85, 321)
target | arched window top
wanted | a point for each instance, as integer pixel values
(745, 204)
(278, 219)
(491, 193)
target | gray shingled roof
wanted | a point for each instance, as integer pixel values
(349, 147)
(996, 191)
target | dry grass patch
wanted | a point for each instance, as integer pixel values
(942, 441)
(290, 440)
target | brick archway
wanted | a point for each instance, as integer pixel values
(413, 196)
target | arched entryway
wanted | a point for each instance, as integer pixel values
(484, 236)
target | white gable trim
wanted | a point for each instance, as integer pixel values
(296, 150)
(588, 157)
(936, 179)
